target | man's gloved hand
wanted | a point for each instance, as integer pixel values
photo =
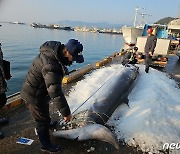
(68, 118)
(53, 124)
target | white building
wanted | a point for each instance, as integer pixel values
(174, 27)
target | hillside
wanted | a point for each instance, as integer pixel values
(89, 24)
(164, 21)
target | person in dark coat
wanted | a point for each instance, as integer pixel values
(149, 48)
(130, 57)
(43, 85)
(3, 89)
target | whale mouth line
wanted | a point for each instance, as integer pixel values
(87, 117)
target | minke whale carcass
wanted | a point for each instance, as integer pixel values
(90, 117)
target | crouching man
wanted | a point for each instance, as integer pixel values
(43, 85)
(130, 57)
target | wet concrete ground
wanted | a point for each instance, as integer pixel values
(22, 125)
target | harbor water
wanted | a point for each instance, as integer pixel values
(20, 44)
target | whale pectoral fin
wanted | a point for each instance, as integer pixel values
(92, 131)
(76, 139)
(125, 100)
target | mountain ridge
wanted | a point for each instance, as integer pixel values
(165, 20)
(89, 24)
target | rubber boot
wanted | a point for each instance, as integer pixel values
(147, 70)
(46, 144)
(4, 121)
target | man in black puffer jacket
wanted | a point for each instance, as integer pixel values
(43, 85)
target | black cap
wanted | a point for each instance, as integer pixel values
(75, 48)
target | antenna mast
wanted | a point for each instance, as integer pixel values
(135, 16)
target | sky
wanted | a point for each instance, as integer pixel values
(112, 11)
(151, 117)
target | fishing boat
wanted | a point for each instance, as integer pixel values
(131, 33)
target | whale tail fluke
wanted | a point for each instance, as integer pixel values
(91, 131)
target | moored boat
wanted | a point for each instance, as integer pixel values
(130, 34)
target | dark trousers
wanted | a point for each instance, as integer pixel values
(3, 100)
(42, 119)
(133, 61)
(148, 59)
(40, 115)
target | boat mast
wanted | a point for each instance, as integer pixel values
(135, 16)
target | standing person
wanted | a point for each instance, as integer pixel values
(3, 89)
(43, 85)
(149, 48)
